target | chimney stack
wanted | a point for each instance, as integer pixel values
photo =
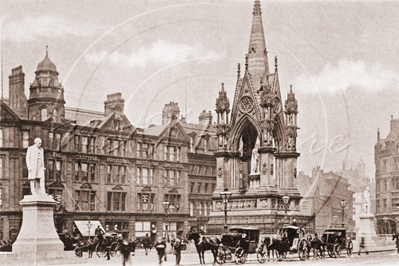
(114, 104)
(18, 101)
(205, 118)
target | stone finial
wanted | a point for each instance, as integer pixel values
(238, 71)
(246, 62)
(275, 63)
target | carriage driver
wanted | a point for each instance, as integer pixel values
(99, 233)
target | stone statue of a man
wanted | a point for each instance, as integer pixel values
(366, 200)
(35, 163)
(255, 160)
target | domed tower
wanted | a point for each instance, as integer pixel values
(46, 99)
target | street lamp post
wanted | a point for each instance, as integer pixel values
(343, 205)
(286, 199)
(225, 195)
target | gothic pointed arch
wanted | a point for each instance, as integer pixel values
(248, 126)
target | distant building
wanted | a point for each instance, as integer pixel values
(322, 193)
(386, 159)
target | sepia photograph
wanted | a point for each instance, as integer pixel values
(199, 132)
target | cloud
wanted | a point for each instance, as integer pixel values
(346, 74)
(160, 52)
(30, 28)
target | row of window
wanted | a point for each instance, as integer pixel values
(202, 188)
(382, 185)
(381, 208)
(116, 174)
(202, 170)
(200, 208)
(44, 113)
(145, 150)
(114, 147)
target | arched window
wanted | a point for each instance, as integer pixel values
(55, 115)
(43, 114)
(210, 208)
(191, 209)
(205, 209)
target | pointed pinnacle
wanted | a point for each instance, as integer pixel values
(222, 86)
(257, 10)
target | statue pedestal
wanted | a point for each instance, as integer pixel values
(366, 230)
(38, 232)
(38, 242)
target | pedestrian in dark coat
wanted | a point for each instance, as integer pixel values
(146, 243)
(363, 245)
(160, 245)
(125, 251)
(177, 248)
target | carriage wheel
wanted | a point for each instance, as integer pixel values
(337, 251)
(302, 250)
(115, 249)
(100, 251)
(240, 256)
(221, 257)
(349, 248)
(262, 254)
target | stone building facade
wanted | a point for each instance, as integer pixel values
(386, 159)
(99, 167)
(256, 145)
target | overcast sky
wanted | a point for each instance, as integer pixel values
(341, 58)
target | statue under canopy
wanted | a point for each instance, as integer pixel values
(255, 160)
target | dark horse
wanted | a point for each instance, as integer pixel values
(280, 247)
(318, 247)
(203, 243)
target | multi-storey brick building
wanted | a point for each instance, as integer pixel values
(98, 165)
(202, 162)
(322, 193)
(386, 159)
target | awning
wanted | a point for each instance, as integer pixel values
(83, 227)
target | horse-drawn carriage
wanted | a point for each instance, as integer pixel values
(110, 242)
(238, 243)
(335, 241)
(290, 240)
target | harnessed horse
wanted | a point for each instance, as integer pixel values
(203, 243)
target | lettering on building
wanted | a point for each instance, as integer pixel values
(86, 158)
(117, 160)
